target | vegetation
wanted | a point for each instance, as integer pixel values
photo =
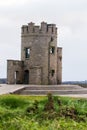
(42, 113)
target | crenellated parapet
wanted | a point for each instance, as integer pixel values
(45, 28)
(15, 63)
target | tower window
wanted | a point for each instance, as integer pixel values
(52, 50)
(60, 58)
(27, 52)
(52, 72)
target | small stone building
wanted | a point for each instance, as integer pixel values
(41, 59)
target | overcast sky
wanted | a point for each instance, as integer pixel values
(70, 16)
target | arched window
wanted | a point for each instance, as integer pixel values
(16, 75)
(52, 50)
(27, 52)
(52, 72)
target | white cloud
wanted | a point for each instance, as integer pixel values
(11, 2)
(71, 19)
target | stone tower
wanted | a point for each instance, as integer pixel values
(41, 59)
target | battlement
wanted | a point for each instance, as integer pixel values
(45, 28)
(15, 62)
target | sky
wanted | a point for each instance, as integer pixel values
(70, 16)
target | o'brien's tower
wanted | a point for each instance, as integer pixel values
(41, 59)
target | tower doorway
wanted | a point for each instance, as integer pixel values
(26, 77)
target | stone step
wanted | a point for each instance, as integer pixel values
(52, 88)
(55, 92)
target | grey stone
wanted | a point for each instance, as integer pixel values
(41, 59)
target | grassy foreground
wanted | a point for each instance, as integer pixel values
(42, 113)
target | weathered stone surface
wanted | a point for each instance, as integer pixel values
(41, 59)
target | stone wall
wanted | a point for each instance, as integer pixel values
(59, 65)
(40, 58)
(38, 39)
(14, 72)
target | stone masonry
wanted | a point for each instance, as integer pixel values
(41, 59)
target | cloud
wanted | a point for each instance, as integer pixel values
(70, 18)
(11, 2)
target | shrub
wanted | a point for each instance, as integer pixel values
(12, 102)
(33, 108)
(50, 103)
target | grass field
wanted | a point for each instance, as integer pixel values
(42, 113)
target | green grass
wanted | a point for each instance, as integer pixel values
(40, 113)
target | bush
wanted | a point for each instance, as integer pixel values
(33, 108)
(12, 102)
(50, 103)
(42, 113)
